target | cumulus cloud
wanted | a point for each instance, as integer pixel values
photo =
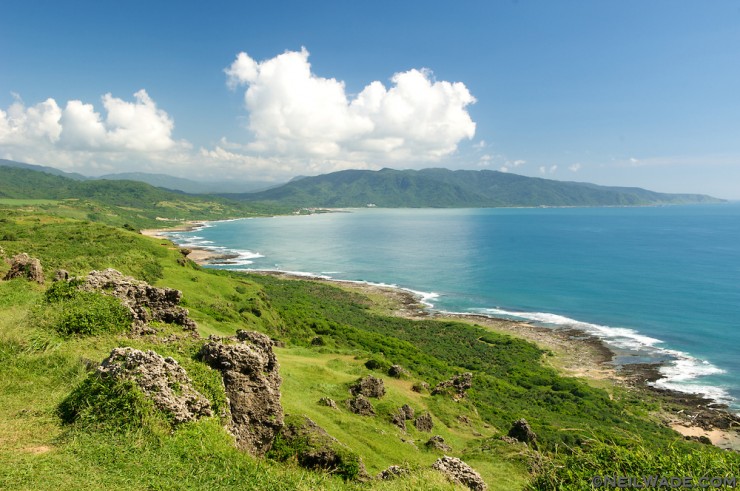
(80, 136)
(575, 167)
(294, 112)
(548, 170)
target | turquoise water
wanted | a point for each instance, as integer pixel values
(657, 284)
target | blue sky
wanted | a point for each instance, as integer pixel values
(617, 92)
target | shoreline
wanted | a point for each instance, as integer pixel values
(577, 353)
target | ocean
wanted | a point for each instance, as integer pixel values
(657, 284)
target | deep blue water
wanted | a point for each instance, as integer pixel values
(658, 283)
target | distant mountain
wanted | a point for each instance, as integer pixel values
(189, 186)
(443, 188)
(42, 168)
(158, 180)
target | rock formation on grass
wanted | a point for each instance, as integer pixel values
(424, 422)
(252, 381)
(163, 380)
(438, 443)
(146, 302)
(360, 405)
(24, 266)
(368, 386)
(521, 431)
(459, 472)
(457, 385)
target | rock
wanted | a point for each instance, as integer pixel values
(392, 472)
(360, 405)
(459, 472)
(325, 401)
(463, 419)
(145, 302)
(399, 419)
(408, 411)
(438, 443)
(424, 422)
(316, 449)
(522, 432)
(24, 266)
(250, 373)
(420, 387)
(397, 371)
(509, 440)
(162, 379)
(457, 384)
(368, 386)
(61, 275)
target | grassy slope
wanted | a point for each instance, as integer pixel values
(38, 370)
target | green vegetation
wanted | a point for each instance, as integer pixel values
(442, 188)
(62, 427)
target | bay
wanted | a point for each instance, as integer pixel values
(658, 284)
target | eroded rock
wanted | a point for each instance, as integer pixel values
(392, 472)
(161, 379)
(521, 431)
(437, 442)
(61, 275)
(459, 472)
(457, 385)
(316, 449)
(24, 266)
(399, 419)
(252, 381)
(420, 387)
(368, 386)
(325, 401)
(408, 411)
(397, 371)
(424, 422)
(145, 302)
(360, 405)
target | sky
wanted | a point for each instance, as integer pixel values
(614, 92)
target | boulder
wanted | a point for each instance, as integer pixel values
(399, 419)
(360, 405)
(325, 401)
(459, 472)
(408, 411)
(61, 275)
(145, 302)
(163, 380)
(368, 386)
(252, 381)
(457, 385)
(315, 449)
(521, 431)
(438, 443)
(420, 387)
(24, 266)
(424, 422)
(397, 371)
(392, 472)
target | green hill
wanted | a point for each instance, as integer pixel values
(116, 202)
(442, 188)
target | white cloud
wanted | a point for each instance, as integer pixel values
(504, 169)
(548, 170)
(293, 112)
(575, 167)
(78, 137)
(517, 163)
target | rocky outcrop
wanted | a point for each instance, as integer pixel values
(399, 419)
(420, 387)
(457, 385)
(24, 266)
(315, 449)
(61, 275)
(438, 443)
(392, 472)
(459, 472)
(163, 380)
(397, 371)
(250, 372)
(408, 411)
(145, 302)
(424, 422)
(368, 386)
(325, 401)
(521, 431)
(360, 405)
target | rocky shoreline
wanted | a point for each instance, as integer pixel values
(579, 354)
